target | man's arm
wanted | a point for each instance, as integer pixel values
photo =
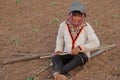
(60, 39)
(92, 39)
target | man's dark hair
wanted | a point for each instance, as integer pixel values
(78, 13)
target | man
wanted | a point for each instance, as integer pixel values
(74, 35)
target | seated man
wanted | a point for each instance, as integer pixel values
(75, 34)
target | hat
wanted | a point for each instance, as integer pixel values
(77, 6)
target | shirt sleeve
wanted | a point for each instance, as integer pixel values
(60, 39)
(92, 39)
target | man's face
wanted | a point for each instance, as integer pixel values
(76, 19)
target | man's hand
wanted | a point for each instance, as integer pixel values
(56, 53)
(75, 51)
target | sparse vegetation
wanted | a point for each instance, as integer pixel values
(36, 29)
(53, 3)
(114, 16)
(14, 17)
(31, 78)
(54, 20)
(61, 15)
(17, 1)
(97, 22)
(16, 41)
(7, 21)
(31, 26)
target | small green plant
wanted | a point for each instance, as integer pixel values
(16, 41)
(7, 21)
(17, 1)
(54, 20)
(36, 29)
(31, 78)
(97, 22)
(53, 3)
(61, 15)
(14, 17)
(114, 16)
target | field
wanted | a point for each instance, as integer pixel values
(30, 26)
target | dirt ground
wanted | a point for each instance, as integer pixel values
(30, 26)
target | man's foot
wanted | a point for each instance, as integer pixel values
(55, 75)
(58, 76)
(62, 77)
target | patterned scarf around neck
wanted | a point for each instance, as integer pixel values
(71, 24)
(82, 22)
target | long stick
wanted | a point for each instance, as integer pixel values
(29, 57)
(87, 50)
(91, 56)
(21, 58)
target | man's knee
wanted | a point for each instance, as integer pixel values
(55, 57)
(83, 58)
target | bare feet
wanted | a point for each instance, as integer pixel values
(62, 77)
(55, 75)
(58, 76)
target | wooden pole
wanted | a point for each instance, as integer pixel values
(101, 48)
(21, 58)
(91, 56)
(48, 55)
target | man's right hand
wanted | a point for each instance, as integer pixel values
(56, 53)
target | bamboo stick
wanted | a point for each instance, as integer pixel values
(21, 58)
(47, 55)
(91, 56)
(102, 48)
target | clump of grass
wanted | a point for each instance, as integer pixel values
(7, 22)
(114, 16)
(61, 15)
(54, 20)
(14, 17)
(97, 22)
(31, 78)
(36, 29)
(53, 3)
(17, 1)
(16, 41)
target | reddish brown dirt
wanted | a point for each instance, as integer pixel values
(31, 27)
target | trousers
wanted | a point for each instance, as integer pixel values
(65, 63)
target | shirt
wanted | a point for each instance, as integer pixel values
(86, 39)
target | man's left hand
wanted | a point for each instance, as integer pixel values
(75, 51)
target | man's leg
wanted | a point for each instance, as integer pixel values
(60, 60)
(78, 60)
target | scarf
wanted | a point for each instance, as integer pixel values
(72, 23)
